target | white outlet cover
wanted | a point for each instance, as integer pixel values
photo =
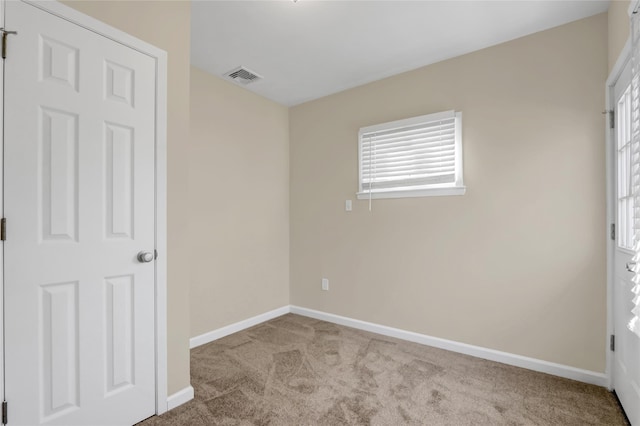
(325, 284)
(347, 205)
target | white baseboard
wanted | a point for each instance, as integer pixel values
(561, 370)
(238, 326)
(180, 397)
(534, 364)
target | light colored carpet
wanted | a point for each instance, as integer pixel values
(294, 370)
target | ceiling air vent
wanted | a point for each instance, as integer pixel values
(242, 75)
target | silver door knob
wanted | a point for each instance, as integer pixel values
(631, 266)
(145, 256)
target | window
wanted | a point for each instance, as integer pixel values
(416, 157)
(625, 194)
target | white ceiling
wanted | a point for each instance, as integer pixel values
(309, 49)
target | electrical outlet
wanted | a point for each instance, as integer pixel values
(325, 284)
(347, 205)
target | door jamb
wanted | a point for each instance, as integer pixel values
(623, 59)
(2, 4)
(160, 57)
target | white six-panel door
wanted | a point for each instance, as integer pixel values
(79, 202)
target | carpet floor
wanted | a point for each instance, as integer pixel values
(295, 370)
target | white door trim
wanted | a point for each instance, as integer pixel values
(160, 58)
(623, 59)
(2, 3)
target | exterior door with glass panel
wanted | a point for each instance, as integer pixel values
(626, 369)
(79, 114)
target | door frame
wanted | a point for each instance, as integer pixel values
(160, 56)
(610, 104)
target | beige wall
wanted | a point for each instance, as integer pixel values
(238, 203)
(518, 263)
(167, 25)
(618, 24)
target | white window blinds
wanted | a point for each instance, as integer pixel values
(413, 154)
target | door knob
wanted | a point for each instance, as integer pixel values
(631, 266)
(145, 256)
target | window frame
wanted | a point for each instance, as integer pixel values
(442, 189)
(625, 232)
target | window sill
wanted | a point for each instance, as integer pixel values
(408, 193)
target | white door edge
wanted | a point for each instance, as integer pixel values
(160, 57)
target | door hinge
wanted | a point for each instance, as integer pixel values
(5, 33)
(612, 231)
(612, 119)
(4, 412)
(3, 229)
(612, 343)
